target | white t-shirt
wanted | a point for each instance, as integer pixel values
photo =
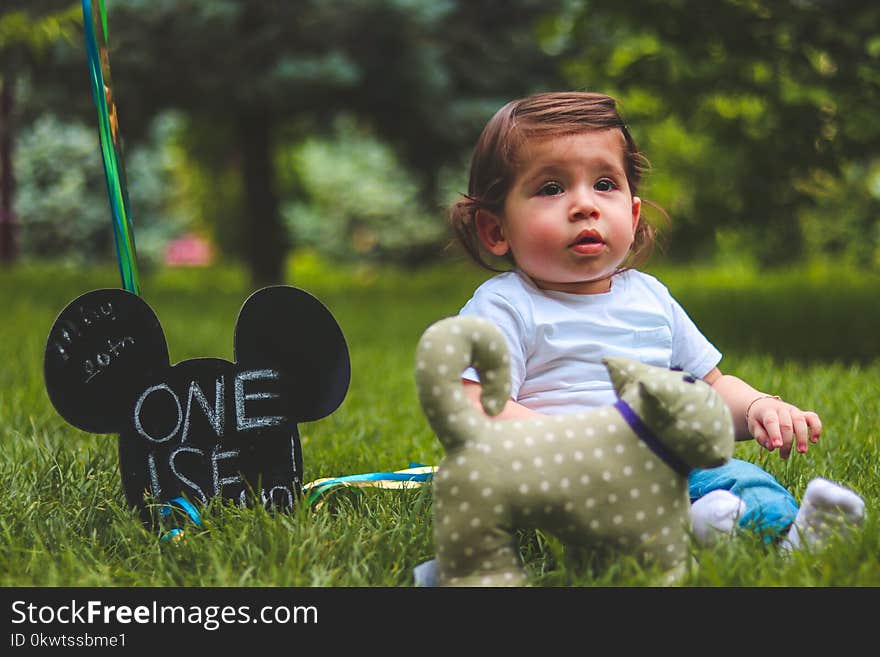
(557, 340)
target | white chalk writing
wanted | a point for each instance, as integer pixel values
(103, 359)
(67, 329)
(185, 480)
(243, 421)
(268, 499)
(155, 488)
(139, 405)
(211, 470)
(215, 416)
(219, 481)
(280, 496)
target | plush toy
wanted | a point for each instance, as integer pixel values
(613, 476)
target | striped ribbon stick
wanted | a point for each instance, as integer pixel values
(95, 31)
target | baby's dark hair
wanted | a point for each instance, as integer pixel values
(494, 160)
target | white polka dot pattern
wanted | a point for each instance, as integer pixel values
(586, 477)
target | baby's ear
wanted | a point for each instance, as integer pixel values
(99, 350)
(287, 329)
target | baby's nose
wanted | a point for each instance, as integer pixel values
(583, 206)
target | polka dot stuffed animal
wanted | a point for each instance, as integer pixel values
(613, 476)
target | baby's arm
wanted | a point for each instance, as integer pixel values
(511, 410)
(770, 420)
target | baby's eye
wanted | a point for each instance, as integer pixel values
(550, 189)
(605, 185)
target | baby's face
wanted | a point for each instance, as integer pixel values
(570, 217)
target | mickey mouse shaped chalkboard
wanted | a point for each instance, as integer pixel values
(205, 427)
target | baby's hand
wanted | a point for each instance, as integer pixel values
(775, 423)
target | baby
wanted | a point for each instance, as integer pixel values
(553, 191)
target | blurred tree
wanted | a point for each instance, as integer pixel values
(253, 73)
(763, 97)
(27, 32)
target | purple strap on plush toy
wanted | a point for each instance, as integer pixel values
(650, 439)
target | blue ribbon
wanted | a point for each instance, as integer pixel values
(166, 509)
(642, 431)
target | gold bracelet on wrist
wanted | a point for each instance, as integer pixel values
(749, 407)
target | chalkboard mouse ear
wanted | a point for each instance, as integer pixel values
(287, 329)
(99, 350)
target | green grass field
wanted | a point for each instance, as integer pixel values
(809, 335)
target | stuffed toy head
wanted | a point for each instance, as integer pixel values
(613, 476)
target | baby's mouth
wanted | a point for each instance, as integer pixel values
(587, 238)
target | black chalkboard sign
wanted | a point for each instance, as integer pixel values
(204, 427)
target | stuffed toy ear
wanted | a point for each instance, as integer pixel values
(287, 329)
(624, 373)
(99, 350)
(649, 389)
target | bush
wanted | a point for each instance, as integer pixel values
(357, 199)
(61, 195)
(61, 199)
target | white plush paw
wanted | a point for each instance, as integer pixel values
(827, 508)
(715, 515)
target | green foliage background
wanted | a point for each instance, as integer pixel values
(346, 127)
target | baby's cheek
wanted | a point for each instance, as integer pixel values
(538, 260)
(549, 235)
(541, 243)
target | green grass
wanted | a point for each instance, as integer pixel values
(809, 335)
